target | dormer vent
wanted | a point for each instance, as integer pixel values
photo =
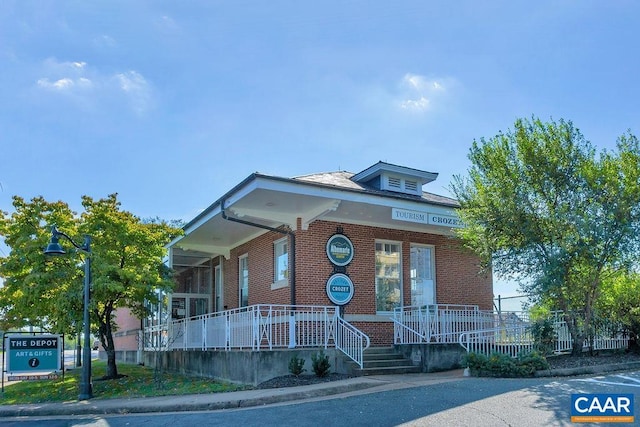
(394, 182)
(399, 179)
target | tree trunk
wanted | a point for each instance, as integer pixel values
(106, 337)
(577, 335)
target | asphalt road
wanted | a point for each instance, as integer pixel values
(468, 402)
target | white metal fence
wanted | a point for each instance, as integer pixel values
(513, 340)
(261, 327)
(606, 337)
(510, 340)
(484, 332)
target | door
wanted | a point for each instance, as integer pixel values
(423, 290)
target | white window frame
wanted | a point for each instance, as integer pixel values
(280, 281)
(185, 312)
(399, 269)
(218, 286)
(243, 259)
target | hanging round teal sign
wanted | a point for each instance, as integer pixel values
(340, 289)
(339, 250)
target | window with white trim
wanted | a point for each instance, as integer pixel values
(388, 275)
(243, 280)
(280, 260)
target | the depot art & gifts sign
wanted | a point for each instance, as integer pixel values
(41, 353)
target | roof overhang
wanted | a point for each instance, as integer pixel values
(274, 202)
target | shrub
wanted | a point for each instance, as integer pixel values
(544, 335)
(503, 365)
(533, 361)
(321, 365)
(296, 365)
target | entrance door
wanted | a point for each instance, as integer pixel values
(423, 290)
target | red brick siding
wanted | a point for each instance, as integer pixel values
(380, 333)
(126, 337)
(458, 279)
(260, 258)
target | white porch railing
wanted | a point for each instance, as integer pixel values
(261, 327)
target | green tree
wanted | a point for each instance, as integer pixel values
(620, 300)
(126, 266)
(540, 205)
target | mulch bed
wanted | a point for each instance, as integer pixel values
(293, 381)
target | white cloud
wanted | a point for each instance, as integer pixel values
(88, 86)
(415, 104)
(65, 84)
(104, 41)
(136, 88)
(131, 81)
(168, 22)
(417, 93)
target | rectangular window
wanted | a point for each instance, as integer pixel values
(388, 276)
(280, 260)
(243, 280)
(218, 288)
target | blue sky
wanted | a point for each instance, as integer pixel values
(170, 104)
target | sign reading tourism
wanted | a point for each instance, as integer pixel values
(340, 289)
(339, 250)
(34, 353)
(426, 218)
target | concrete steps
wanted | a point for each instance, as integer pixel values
(383, 361)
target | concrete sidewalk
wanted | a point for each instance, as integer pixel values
(230, 400)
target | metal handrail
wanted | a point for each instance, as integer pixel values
(351, 341)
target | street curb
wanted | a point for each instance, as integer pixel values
(199, 403)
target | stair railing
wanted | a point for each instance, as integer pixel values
(351, 340)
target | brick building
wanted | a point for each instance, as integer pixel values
(274, 240)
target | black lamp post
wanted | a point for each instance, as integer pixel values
(54, 248)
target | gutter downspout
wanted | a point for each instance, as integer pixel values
(292, 263)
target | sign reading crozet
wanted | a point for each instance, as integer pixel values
(339, 289)
(426, 218)
(339, 250)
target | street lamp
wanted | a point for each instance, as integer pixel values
(54, 248)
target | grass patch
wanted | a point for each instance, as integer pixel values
(137, 382)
